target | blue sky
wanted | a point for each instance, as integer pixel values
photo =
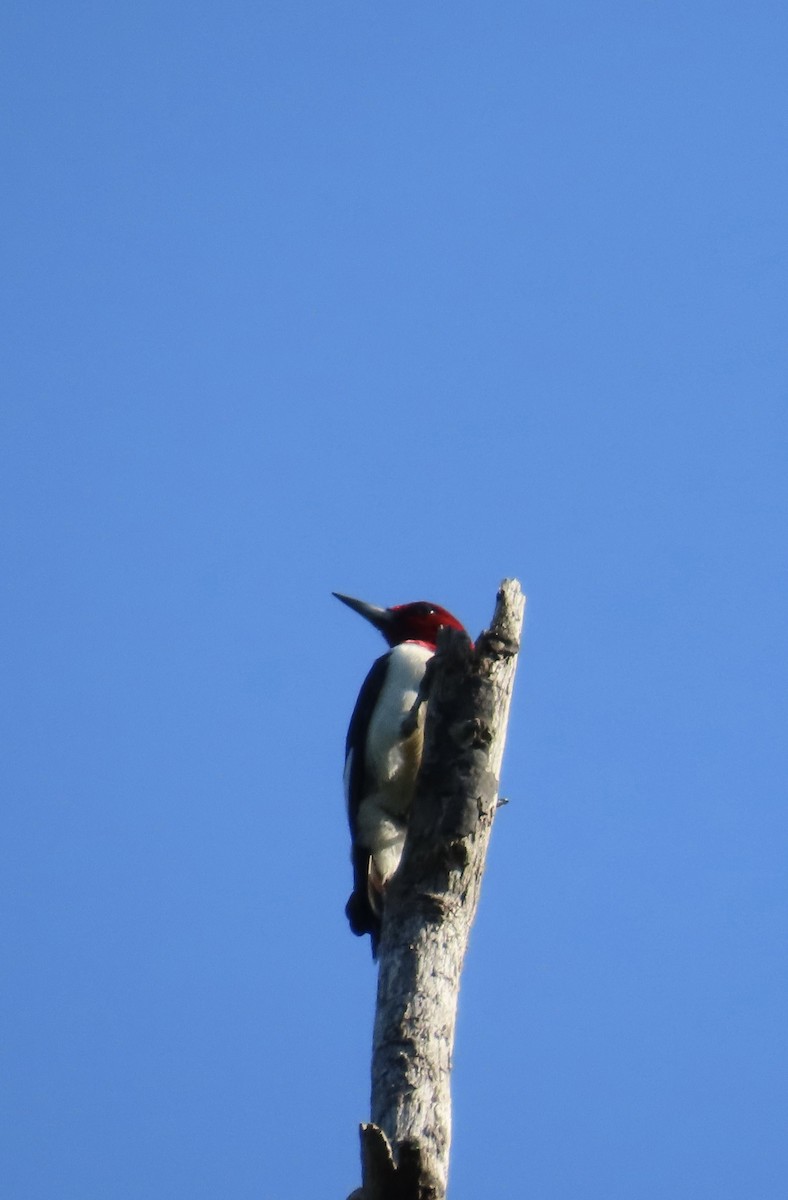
(397, 301)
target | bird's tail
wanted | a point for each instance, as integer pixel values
(362, 915)
(363, 919)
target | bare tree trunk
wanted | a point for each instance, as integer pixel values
(430, 906)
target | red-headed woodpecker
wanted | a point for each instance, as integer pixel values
(382, 757)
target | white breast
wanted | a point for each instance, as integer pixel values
(384, 740)
(391, 765)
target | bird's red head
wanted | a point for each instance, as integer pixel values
(416, 622)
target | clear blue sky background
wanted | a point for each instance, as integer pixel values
(395, 300)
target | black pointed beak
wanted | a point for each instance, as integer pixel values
(379, 617)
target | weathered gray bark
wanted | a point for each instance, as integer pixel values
(430, 907)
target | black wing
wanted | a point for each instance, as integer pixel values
(355, 766)
(359, 911)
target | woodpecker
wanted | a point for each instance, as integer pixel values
(383, 751)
